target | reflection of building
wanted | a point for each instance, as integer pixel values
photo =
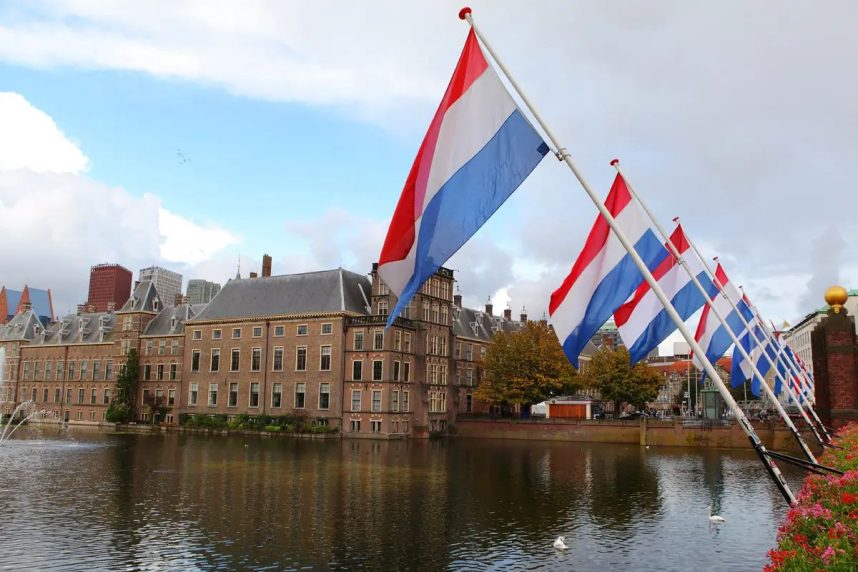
(798, 337)
(109, 287)
(167, 283)
(202, 291)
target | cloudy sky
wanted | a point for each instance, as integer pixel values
(189, 134)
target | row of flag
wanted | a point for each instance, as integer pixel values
(478, 150)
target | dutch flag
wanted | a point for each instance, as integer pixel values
(642, 321)
(478, 150)
(711, 335)
(604, 275)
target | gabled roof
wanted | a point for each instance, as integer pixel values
(23, 326)
(326, 291)
(477, 325)
(143, 299)
(170, 321)
(85, 328)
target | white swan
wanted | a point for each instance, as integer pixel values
(714, 518)
(560, 543)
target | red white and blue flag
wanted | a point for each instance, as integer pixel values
(478, 150)
(642, 321)
(711, 335)
(604, 275)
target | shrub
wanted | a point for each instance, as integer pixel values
(118, 412)
(821, 530)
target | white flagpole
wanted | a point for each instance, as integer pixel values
(676, 254)
(563, 155)
(772, 365)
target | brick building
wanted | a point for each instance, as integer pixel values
(109, 287)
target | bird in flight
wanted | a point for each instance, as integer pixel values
(182, 158)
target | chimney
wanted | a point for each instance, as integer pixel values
(179, 300)
(81, 308)
(507, 314)
(111, 306)
(255, 275)
(523, 315)
(266, 266)
(489, 306)
(457, 300)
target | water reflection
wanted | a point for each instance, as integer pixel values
(108, 501)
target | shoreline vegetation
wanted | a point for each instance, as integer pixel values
(821, 531)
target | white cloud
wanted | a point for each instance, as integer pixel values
(29, 139)
(57, 222)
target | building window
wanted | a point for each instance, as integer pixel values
(93, 396)
(469, 352)
(469, 403)
(108, 370)
(300, 392)
(377, 369)
(162, 347)
(325, 359)
(355, 425)
(443, 345)
(79, 395)
(195, 360)
(279, 331)
(442, 374)
(444, 315)
(106, 397)
(147, 372)
(48, 368)
(68, 395)
(198, 334)
(127, 323)
(482, 352)
(382, 307)
(458, 350)
(396, 371)
(435, 317)
(301, 358)
(276, 394)
(327, 329)
(37, 370)
(159, 371)
(235, 360)
(26, 371)
(425, 311)
(302, 329)
(376, 401)
(212, 394)
(173, 369)
(236, 333)
(125, 346)
(431, 373)
(406, 372)
(257, 331)
(96, 366)
(254, 394)
(324, 395)
(358, 340)
(397, 341)
(57, 395)
(406, 346)
(45, 395)
(159, 397)
(174, 347)
(232, 401)
(255, 359)
(216, 334)
(357, 370)
(355, 399)
(375, 426)
(405, 401)
(71, 371)
(394, 400)
(215, 360)
(148, 347)
(278, 359)
(145, 397)
(171, 397)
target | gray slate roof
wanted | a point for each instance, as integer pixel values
(79, 329)
(21, 327)
(325, 291)
(143, 299)
(164, 323)
(477, 325)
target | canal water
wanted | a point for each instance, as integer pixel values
(78, 499)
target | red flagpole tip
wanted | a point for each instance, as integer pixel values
(463, 13)
(615, 162)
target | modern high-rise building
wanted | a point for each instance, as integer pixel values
(201, 291)
(168, 284)
(109, 287)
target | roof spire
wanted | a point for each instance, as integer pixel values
(238, 270)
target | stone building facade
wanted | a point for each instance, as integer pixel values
(308, 345)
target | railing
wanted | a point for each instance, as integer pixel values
(380, 319)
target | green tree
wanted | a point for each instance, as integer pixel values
(121, 408)
(611, 373)
(524, 367)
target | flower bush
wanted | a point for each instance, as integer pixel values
(821, 530)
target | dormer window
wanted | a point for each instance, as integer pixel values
(173, 323)
(155, 304)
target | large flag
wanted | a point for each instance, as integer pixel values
(604, 275)
(478, 150)
(642, 321)
(711, 335)
(743, 369)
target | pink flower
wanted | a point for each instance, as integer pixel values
(828, 554)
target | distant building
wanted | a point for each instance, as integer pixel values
(202, 291)
(167, 283)
(13, 301)
(109, 287)
(608, 335)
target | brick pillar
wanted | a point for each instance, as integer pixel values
(835, 368)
